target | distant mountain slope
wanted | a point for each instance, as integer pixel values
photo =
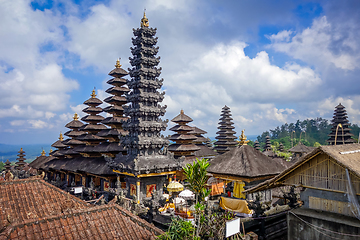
(31, 151)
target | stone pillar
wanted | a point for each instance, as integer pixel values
(138, 191)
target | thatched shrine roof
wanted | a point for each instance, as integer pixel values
(245, 161)
(347, 156)
(301, 148)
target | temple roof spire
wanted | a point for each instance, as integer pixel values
(243, 138)
(144, 21)
(61, 138)
(118, 65)
(76, 117)
(93, 94)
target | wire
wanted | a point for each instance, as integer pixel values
(315, 227)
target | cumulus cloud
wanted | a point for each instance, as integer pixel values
(224, 75)
(315, 45)
(32, 83)
(38, 124)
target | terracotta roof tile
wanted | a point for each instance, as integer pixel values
(48, 220)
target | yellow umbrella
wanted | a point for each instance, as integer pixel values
(175, 187)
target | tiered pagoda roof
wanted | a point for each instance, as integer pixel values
(146, 149)
(341, 123)
(60, 147)
(267, 144)
(281, 147)
(226, 135)
(20, 160)
(301, 148)
(257, 145)
(7, 165)
(92, 128)
(203, 143)
(72, 141)
(183, 145)
(116, 109)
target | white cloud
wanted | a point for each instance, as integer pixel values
(38, 124)
(32, 83)
(352, 105)
(17, 122)
(314, 45)
(99, 38)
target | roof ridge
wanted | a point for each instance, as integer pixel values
(75, 212)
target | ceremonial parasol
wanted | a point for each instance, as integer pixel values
(187, 195)
(175, 187)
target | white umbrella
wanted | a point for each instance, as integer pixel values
(187, 195)
(179, 201)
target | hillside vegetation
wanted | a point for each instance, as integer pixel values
(311, 132)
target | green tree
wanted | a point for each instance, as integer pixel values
(196, 175)
(2, 166)
(179, 230)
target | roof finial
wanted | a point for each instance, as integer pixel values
(182, 111)
(118, 65)
(76, 117)
(93, 94)
(242, 138)
(43, 153)
(144, 20)
(61, 138)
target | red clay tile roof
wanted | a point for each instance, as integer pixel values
(33, 198)
(100, 222)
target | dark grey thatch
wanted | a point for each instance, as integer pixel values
(39, 162)
(182, 118)
(90, 165)
(347, 156)
(340, 122)
(197, 131)
(301, 148)
(93, 101)
(204, 151)
(74, 124)
(245, 161)
(92, 109)
(226, 134)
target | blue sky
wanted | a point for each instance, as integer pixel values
(271, 62)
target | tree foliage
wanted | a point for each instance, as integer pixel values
(196, 176)
(179, 230)
(311, 132)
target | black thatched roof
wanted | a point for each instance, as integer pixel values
(109, 147)
(74, 124)
(182, 117)
(39, 162)
(91, 165)
(58, 144)
(181, 128)
(205, 151)
(197, 131)
(93, 101)
(301, 148)
(117, 72)
(245, 161)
